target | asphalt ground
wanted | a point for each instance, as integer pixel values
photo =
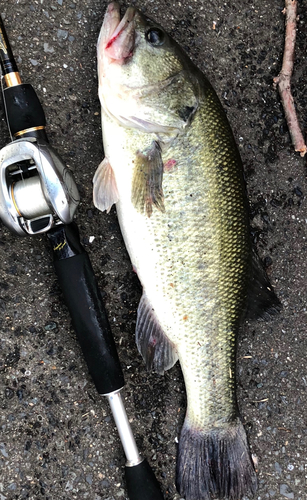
(57, 437)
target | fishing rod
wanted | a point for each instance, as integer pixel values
(38, 195)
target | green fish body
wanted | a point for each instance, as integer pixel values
(175, 174)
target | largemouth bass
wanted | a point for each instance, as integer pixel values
(173, 169)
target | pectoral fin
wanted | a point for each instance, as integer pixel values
(158, 352)
(147, 180)
(105, 191)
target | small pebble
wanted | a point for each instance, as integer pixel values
(47, 48)
(3, 450)
(297, 190)
(69, 486)
(62, 34)
(51, 326)
(286, 491)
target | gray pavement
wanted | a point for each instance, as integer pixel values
(57, 437)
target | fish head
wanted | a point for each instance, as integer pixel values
(139, 68)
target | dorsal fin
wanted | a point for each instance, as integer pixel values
(262, 301)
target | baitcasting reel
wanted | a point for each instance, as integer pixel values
(37, 190)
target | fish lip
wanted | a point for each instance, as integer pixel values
(122, 24)
(117, 35)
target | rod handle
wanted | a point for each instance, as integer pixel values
(25, 113)
(83, 299)
(142, 483)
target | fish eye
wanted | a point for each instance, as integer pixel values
(155, 36)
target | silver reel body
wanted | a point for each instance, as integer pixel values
(37, 190)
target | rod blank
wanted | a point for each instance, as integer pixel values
(124, 429)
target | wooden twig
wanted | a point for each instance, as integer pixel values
(284, 77)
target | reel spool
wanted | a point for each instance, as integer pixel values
(37, 190)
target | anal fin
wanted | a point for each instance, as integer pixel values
(105, 192)
(158, 352)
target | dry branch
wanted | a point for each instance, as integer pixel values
(284, 77)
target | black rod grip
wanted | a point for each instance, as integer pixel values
(142, 483)
(83, 298)
(24, 110)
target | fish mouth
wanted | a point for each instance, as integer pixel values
(117, 36)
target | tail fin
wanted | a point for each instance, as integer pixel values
(215, 464)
